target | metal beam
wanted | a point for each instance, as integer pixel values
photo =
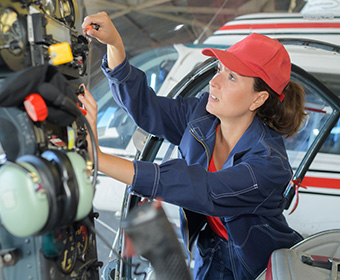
(140, 29)
(155, 6)
(150, 3)
(117, 6)
(126, 9)
(119, 14)
(192, 10)
(254, 6)
(179, 19)
(106, 3)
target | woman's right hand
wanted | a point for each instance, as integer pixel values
(90, 107)
(115, 167)
(106, 34)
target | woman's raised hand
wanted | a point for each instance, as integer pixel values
(106, 34)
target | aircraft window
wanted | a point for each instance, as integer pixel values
(156, 64)
(115, 127)
(318, 114)
(332, 143)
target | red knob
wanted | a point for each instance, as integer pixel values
(36, 107)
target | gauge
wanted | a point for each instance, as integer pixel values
(68, 257)
(81, 239)
(11, 30)
(13, 39)
(49, 6)
(67, 12)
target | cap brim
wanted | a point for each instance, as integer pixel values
(230, 61)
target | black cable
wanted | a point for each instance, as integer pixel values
(70, 106)
(94, 152)
(88, 223)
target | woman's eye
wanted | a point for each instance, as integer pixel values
(231, 77)
(218, 70)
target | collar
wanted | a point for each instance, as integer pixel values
(253, 135)
(204, 130)
(204, 127)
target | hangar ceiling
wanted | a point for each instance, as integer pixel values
(146, 24)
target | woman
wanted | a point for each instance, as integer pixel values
(233, 167)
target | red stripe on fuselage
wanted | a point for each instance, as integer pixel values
(281, 25)
(319, 182)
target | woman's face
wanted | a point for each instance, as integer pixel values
(231, 95)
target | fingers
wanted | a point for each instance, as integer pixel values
(105, 33)
(90, 106)
(98, 18)
(89, 98)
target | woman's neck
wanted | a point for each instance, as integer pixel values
(227, 136)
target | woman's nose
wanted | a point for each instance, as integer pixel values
(214, 80)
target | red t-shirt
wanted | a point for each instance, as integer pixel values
(215, 222)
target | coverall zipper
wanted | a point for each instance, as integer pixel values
(205, 148)
(208, 158)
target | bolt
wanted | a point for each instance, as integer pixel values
(52, 272)
(7, 258)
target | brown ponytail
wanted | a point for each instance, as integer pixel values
(284, 117)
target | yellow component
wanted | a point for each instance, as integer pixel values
(60, 53)
(71, 135)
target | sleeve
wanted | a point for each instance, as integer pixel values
(161, 116)
(241, 189)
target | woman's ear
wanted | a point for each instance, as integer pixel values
(261, 97)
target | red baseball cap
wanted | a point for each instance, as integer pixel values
(257, 56)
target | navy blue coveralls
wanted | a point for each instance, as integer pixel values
(247, 194)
